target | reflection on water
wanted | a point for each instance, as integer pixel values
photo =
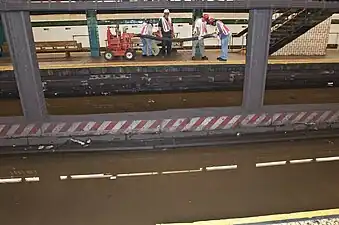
(155, 102)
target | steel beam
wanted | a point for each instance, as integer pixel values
(109, 5)
(18, 30)
(258, 41)
(2, 38)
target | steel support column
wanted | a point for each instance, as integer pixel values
(93, 33)
(2, 38)
(257, 46)
(19, 35)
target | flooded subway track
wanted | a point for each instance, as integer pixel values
(169, 186)
(166, 159)
(155, 102)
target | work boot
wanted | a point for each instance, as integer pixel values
(193, 58)
(204, 58)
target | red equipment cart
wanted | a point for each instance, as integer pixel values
(119, 44)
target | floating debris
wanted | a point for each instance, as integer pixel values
(49, 147)
(82, 143)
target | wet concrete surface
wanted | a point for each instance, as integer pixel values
(241, 192)
(155, 102)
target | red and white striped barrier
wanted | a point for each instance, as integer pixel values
(195, 124)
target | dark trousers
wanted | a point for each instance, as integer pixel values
(167, 44)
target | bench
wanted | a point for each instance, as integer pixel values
(58, 46)
(54, 47)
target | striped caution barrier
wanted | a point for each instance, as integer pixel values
(194, 124)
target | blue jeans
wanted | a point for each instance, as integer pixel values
(224, 47)
(146, 46)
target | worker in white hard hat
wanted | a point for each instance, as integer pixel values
(166, 31)
(200, 30)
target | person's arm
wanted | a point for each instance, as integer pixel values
(228, 30)
(216, 31)
(160, 27)
(196, 28)
(172, 28)
(200, 25)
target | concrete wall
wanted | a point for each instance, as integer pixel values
(312, 43)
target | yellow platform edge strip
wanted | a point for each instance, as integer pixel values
(261, 219)
(80, 65)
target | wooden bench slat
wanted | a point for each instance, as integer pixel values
(55, 47)
(56, 43)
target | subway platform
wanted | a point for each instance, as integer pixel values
(180, 58)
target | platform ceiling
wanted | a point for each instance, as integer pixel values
(179, 5)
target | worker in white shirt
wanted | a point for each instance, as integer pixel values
(223, 33)
(166, 31)
(146, 29)
(199, 30)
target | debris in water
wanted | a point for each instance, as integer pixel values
(49, 147)
(77, 141)
(331, 142)
(82, 143)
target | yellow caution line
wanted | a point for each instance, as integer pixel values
(262, 219)
(60, 65)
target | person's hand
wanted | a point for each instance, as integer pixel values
(200, 38)
(215, 35)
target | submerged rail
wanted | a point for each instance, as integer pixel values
(87, 145)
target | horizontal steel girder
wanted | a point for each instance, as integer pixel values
(71, 5)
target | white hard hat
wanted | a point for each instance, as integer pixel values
(166, 11)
